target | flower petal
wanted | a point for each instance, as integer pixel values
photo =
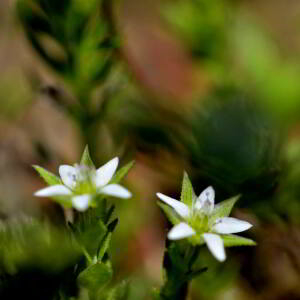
(229, 225)
(105, 173)
(68, 175)
(81, 203)
(116, 190)
(181, 208)
(54, 190)
(215, 245)
(206, 200)
(181, 231)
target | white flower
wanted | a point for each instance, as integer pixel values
(82, 182)
(199, 220)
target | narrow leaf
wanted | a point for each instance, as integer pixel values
(112, 225)
(235, 240)
(48, 177)
(109, 213)
(187, 192)
(95, 276)
(104, 245)
(86, 158)
(120, 174)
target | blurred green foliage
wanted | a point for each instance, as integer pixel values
(36, 245)
(36, 257)
(236, 137)
(72, 37)
(201, 25)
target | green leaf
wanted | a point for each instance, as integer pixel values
(90, 233)
(187, 192)
(95, 276)
(170, 213)
(86, 158)
(48, 177)
(232, 240)
(109, 213)
(224, 208)
(112, 225)
(104, 245)
(122, 172)
(120, 292)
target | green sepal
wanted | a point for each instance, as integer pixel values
(171, 215)
(52, 179)
(96, 276)
(65, 201)
(86, 158)
(231, 240)
(48, 177)
(224, 208)
(120, 174)
(196, 240)
(187, 191)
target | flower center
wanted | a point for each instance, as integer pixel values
(200, 222)
(84, 180)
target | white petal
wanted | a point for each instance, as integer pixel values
(81, 203)
(54, 190)
(68, 175)
(182, 209)
(206, 200)
(181, 231)
(105, 173)
(230, 225)
(116, 190)
(215, 245)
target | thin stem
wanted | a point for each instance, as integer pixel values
(178, 265)
(174, 289)
(175, 286)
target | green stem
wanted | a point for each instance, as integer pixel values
(178, 265)
(174, 288)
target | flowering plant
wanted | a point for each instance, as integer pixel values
(201, 221)
(81, 184)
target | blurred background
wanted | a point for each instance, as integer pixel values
(207, 86)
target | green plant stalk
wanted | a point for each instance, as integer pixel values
(178, 265)
(175, 288)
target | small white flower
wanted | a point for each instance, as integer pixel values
(82, 182)
(198, 220)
